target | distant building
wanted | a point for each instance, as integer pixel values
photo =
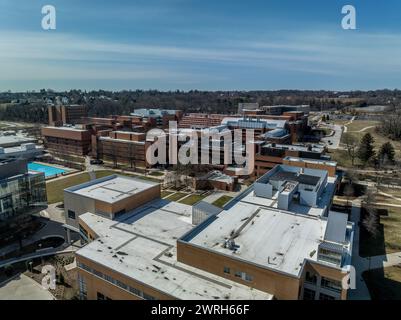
(67, 140)
(320, 164)
(201, 120)
(60, 115)
(26, 151)
(268, 155)
(122, 147)
(247, 106)
(281, 109)
(215, 180)
(162, 117)
(10, 139)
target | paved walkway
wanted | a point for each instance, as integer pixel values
(22, 287)
(361, 291)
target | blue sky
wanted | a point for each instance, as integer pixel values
(205, 45)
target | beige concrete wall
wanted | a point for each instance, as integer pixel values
(283, 287)
(129, 203)
(79, 205)
(95, 284)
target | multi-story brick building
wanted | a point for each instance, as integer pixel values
(268, 155)
(67, 140)
(122, 147)
(160, 117)
(66, 114)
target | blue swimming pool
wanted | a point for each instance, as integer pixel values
(48, 170)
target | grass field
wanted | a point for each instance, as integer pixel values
(222, 201)
(384, 284)
(191, 200)
(379, 139)
(358, 125)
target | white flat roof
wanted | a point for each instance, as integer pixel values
(272, 238)
(122, 140)
(112, 189)
(6, 140)
(67, 128)
(142, 246)
(322, 205)
(318, 161)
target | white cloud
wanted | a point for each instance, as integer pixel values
(54, 55)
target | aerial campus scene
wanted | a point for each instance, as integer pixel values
(200, 150)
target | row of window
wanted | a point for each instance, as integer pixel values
(116, 282)
(239, 274)
(325, 282)
(310, 295)
(83, 292)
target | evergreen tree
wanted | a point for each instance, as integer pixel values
(366, 151)
(387, 152)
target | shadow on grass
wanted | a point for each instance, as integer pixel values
(384, 284)
(370, 246)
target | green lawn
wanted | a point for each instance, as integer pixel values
(191, 200)
(166, 193)
(55, 188)
(156, 173)
(384, 284)
(177, 196)
(221, 202)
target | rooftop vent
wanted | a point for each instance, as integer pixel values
(230, 244)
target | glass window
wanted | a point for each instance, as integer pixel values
(248, 277)
(148, 297)
(108, 278)
(309, 294)
(227, 270)
(71, 214)
(310, 278)
(98, 273)
(331, 284)
(323, 296)
(82, 288)
(121, 285)
(135, 291)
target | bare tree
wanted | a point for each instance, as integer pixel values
(351, 144)
(371, 220)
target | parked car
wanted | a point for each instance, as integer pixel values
(96, 161)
